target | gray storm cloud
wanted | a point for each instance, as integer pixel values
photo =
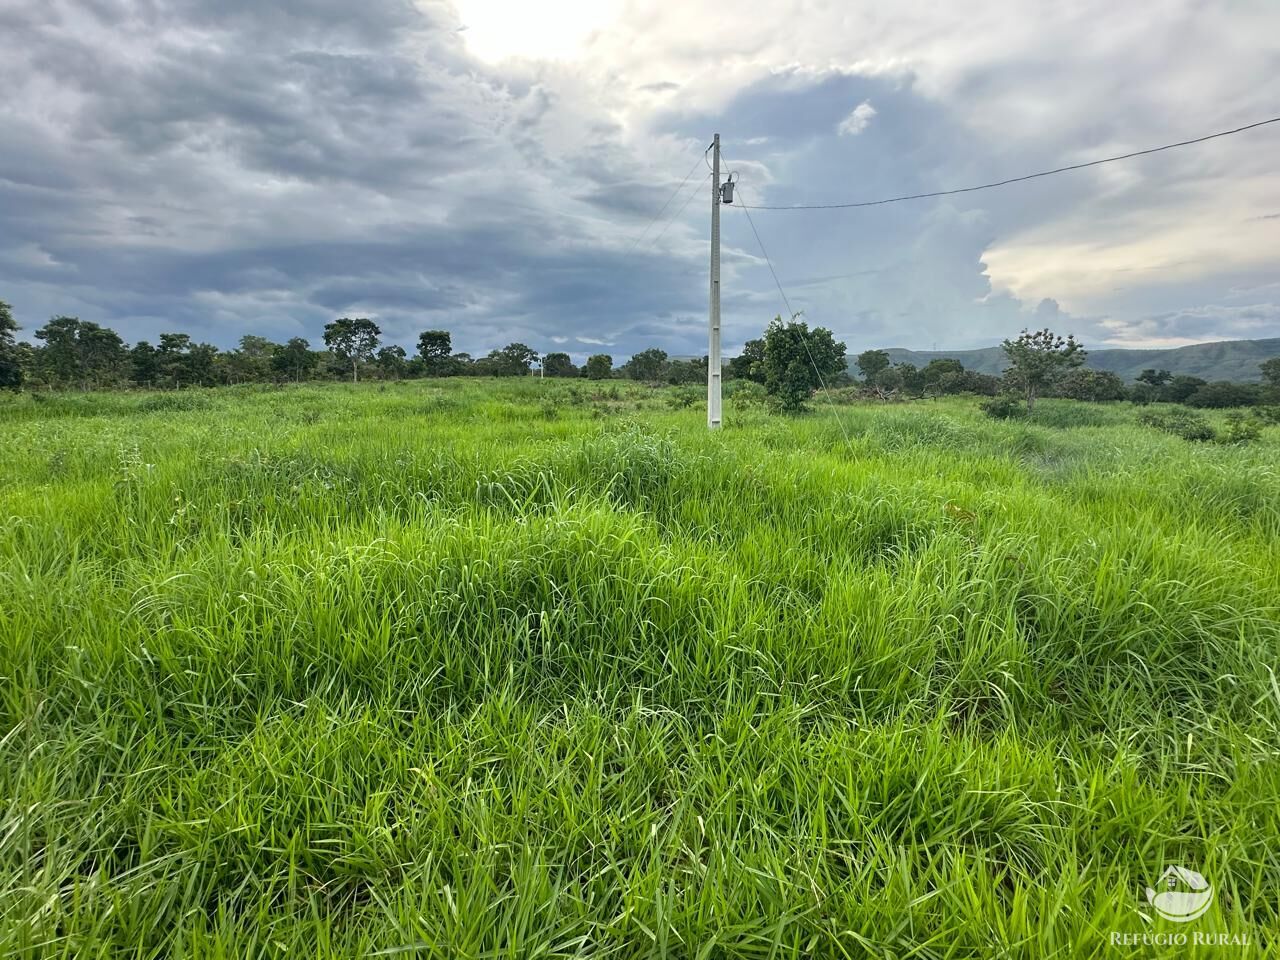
(233, 167)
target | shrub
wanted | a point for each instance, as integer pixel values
(745, 392)
(1240, 429)
(1181, 423)
(1002, 407)
(682, 398)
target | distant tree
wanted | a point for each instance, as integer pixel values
(558, 365)
(1038, 359)
(1223, 394)
(434, 348)
(983, 384)
(26, 357)
(171, 358)
(80, 352)
(11, 366)
(1180, 388)
(647, 365)
(250, 362)
(144, 364)
(513, 360)
(61, 357)
(912, 379)
(599, 366)
(1143, 393)
(199, 365)
(293, 360)
(1157, 378)
(352, 341)
(391, 362)
(748, 365)
(684, 372)
(104, 355)
(942, 375)
(1271, 380)
(1093, 385)
(258, 351)
(462, 365)
(871, 362)
(797, 361)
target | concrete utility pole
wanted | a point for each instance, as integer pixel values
(713, 319)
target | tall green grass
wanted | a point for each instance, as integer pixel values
(487, 669)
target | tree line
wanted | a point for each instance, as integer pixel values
(788, 360)
(70, 353)
(1042, 363)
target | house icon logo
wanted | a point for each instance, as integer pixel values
(1186, 895)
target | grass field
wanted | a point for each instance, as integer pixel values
(518, 669)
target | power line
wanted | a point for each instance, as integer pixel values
(1029, 176)
(692, 193)
(650, 224)
(792, 314)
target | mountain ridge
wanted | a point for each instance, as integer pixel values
(1220, 360)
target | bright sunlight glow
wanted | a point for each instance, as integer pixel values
(549, 29)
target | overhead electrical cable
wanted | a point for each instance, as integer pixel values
(649, 225)
(689, 199)
(792, 314)
(1001, 183)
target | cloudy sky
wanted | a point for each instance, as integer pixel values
(231, 166)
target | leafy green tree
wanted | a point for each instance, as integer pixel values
(250, 362)
(391, 362)
(171, 358)
(104, 355)
(599, 366)
(1223, 394)
(183, 363)
(434, 349)
(513, 360)
(748, 365)
(1156, 378)
(1271, 380)
(648, 365)
(11, 367)
(558, 365)
(1180, 388)
(61, 358)
(871, 362)
(78, 351)
(1038, 359)
(352, 341)
(911, 377)
(144, 364)
(1096, 386)
(685, 372)
(293, 360)
(797, 361)
(942, 375)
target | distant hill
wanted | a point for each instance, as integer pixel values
(1225, 360)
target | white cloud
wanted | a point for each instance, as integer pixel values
(856, 122)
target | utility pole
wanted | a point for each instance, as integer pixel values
(713, 319)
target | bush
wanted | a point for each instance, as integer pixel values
(1223, 394)
(745, 392)
(1240, 429)
(682, 398)
(1181, 423)
(1002, 407)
